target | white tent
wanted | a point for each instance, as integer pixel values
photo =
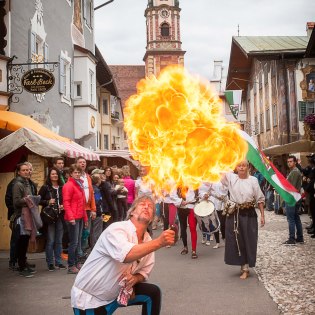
(43, 146)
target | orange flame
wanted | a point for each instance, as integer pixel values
(175, 125)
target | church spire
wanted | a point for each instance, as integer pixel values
(163, 36)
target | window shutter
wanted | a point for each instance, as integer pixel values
(31, 46)
(72, 87)
(46, 55)
(61, 76)
(302, 110)
(84, 9)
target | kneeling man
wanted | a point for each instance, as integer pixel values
(115, 272)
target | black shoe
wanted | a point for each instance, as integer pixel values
(31, 270)
(313, 236)
(299, 241)
(30, 265)
(13, 267)
(289, 243)
(25, 273)
(311, 231)
(60, 266)
(51, 267)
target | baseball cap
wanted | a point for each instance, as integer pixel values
(312, 155)
(97, 171)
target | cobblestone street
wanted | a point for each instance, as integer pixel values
(287, 271)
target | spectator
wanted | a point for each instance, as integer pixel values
(89, 203)
(294, 221)
(21, 188)
(129, 184)
(75, 215)
(59, 163)
(51, 194)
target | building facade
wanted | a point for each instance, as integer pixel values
(42, 32)
(163, 36)
(274, 74)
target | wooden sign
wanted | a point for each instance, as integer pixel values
(38, 80)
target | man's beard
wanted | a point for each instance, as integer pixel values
(144, 220)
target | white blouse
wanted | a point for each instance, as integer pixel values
(243, 190)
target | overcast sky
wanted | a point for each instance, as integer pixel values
(207, 27)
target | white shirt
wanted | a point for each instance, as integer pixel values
(215, 191)
(190, 197)
(97, 282)
(243, 190)
(144, 188)
(85, 186)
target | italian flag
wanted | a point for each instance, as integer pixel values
(256, 157)
(234, 99)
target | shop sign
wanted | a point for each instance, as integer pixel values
(38, 80)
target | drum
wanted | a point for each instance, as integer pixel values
(207, 217)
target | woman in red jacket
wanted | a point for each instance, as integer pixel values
(75, 214)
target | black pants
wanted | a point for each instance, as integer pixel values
(21, 248)
(147, 294)
(122, 208)
(222, 227)
(165, 214)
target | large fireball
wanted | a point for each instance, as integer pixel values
(175, 126)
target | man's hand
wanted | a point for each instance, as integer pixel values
(167, 238)
(72, 222)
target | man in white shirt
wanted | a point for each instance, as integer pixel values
(121, 261)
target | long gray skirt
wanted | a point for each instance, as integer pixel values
(247, 239)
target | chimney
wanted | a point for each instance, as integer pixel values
(309, 28)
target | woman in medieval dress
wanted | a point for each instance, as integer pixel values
(242, 226)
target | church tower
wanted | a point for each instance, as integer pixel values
(163, 36)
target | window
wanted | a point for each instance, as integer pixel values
(165, 30)
(266, 73)
(77, 90)
(274, 115)
(106, 142)
(306, 108)
(267, 119)
(261, 122)
(260, 80)
(105, 106)
(37, 47)
(91, 83)
(64, 77)
(88, 12)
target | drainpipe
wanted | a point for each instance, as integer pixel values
(287, 105)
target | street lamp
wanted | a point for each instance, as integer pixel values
(102, 5)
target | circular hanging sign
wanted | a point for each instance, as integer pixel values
(38, 80)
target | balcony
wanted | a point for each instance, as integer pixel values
(115, 116)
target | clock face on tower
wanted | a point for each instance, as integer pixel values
(164, 13)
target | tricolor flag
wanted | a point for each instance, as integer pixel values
(234, 99)
(256, 157)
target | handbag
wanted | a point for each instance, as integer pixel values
(50, 213)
